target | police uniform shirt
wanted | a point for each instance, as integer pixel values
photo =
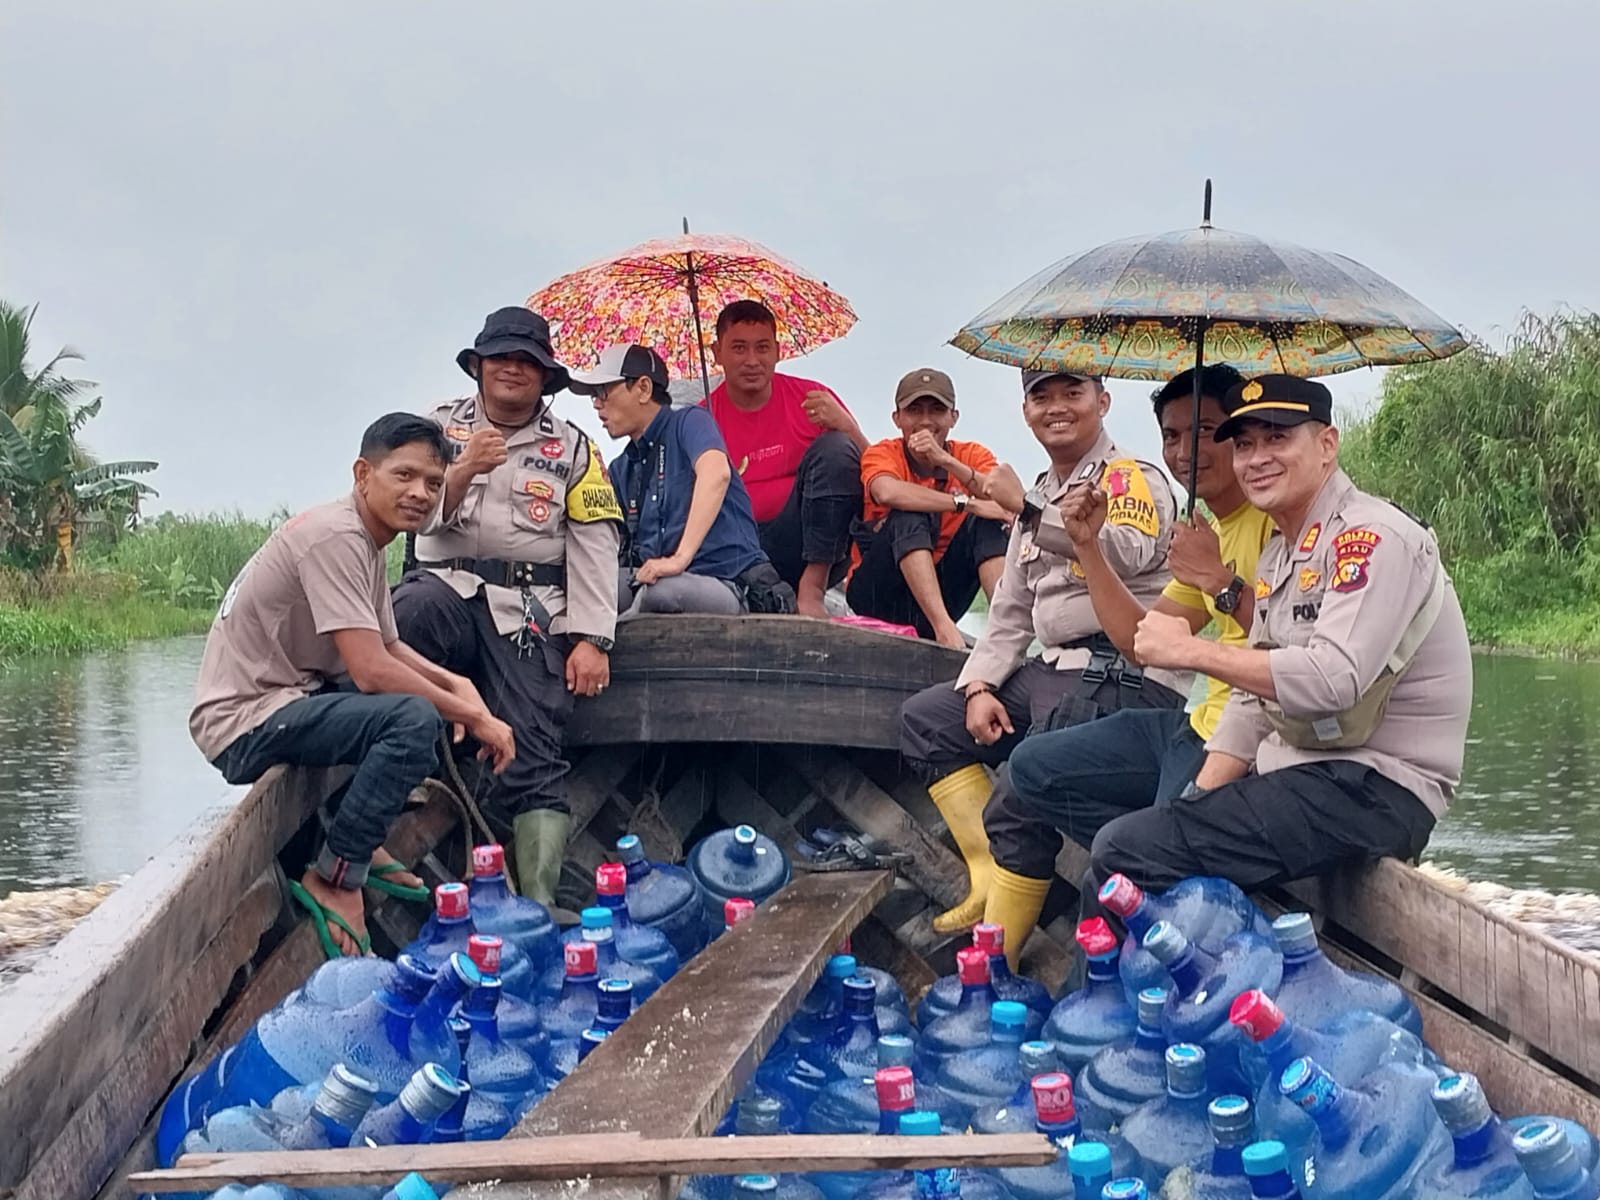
(549, 502)
(1334, 603)
(1042, 591)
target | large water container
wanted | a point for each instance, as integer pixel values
(1204, 987)
(987, 1074)
(595, 926)
(1207, 909)
(509, 1073)
(518, 919)
(940, 1183)
(474, 1117)
(968, 1025)
(664, 897)
(736, 862)
(340, 1104)
(945, 993)
(521, 1022)
(1314, 990)
(1126, 1073)
(447, 932)
(1098, 1013)
(894, 1092)
(1266, 1166)
(1221, 1175)
(635, 943)
(1056, 1116)
(1373, 1139)
(1481, 1165)
(851, 1050)
(1552, 1163)
(1014, 1114)
(411, 1116)
(574, 1007)
(1173, 1130)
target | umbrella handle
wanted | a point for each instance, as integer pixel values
(1194, 415)
(694, 307)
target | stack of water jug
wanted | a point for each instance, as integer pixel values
(472, 1023)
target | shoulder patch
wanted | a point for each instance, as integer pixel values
(590, 497)
(1309, 542)
(1128, 497)
(457, 433)
(1351, 550)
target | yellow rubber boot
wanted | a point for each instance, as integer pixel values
(960, 797)
(1014, 904)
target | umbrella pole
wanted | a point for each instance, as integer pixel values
(694, 307)
(1194, 413)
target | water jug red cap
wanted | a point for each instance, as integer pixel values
(1121, 894)
(991, 939)
(450, 900)
(1256, 1014)
(484, 951)
(579, 958)
(1096, 938)
(489, 859)
(736, 909)
(1052, 1097)
(610, 879)
(897, 1092)
(972, 966)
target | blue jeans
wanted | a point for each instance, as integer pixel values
(391, 740)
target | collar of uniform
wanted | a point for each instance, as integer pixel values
(653, 432)
(542, 426)
(1324, 508)
(1103, 451)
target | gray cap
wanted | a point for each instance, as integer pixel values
(1031, 377)
(430, 1092)
(1231, 1120)
(1460, 1102)
(1545, 1152)
(758, 1113)
(1037, 1058)
(1294, 933)
(1152, 1003)
(618, 363)
(1165, 941)
(895, 1050)
(345, 1096)
(1186, 1070)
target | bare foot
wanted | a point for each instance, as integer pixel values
(380, 856)
(344, 901)
(950, 636)
(808, 607)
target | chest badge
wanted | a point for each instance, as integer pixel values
(458, 433)
(538, 512)
(1263, 588)
(538, 488)
(554, 448)
(1309, 578)
(1351, 550)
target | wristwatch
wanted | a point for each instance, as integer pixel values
(959, 499)
(1227, 600)
(599, 642)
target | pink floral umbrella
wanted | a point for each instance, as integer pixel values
(667, 293)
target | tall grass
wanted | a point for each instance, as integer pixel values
(185, 560)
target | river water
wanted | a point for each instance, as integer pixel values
(97, 771)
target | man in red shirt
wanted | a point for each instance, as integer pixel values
(797, 449)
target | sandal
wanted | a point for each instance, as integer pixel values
(377, 879)
(831, 850)
(320, 916)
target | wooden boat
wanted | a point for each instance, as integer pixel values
(781, 722)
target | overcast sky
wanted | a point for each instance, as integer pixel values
(265, 224)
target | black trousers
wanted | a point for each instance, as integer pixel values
(814, 524)
(878, 589)
(526, 691)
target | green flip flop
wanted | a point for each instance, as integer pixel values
(377, 878)
(320, 916)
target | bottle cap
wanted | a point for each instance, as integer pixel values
(744, 835)
(991, 939)
(860, 994)
(589, 1039)
(450, 901)
(414, 1187)
(1007, 1014)
(758, 1113)
(1256, 1015)
(897, 1091)
(919, 1124)
(1152, 1003)
(465, 969)
(1308, 1085)
(484, 951)
(895, 1050)
(595, 917)
(1125, 1189)
(1186, 1070)
(1265, 1158)
(1231, 1120)
(629, 848)
(736, 909)
(430, 1091)
(610, 879)
(1052, 1098)
(578, 958)
(345, 1096)
(1546, 1154)
(1460, 1103)
(1120, 894)
(488, 859)
(617, 990)
(1294, 932)
(972, 966)
(1165, 941)
(1036, 1058)
(1089, 1160)
(841, 966)
(756, 1185)
(1096, 938)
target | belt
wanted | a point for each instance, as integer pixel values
(505, 574)
(1106, 661)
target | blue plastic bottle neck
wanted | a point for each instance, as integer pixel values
(485, 1026)
(1227, 1162)
(1102, 970)
(452, 1126)
(488, 887)
(637, 869)
(1006, 1035)
(1477, 1144)
(999, 968)
(447, 991)
(316, 1131)
(1062, 1133)
(1089, 1187)
(1285, 1044)
(1337, 1121)
(1190, 969)
(1276, 1186)
(574, 986)
(1139, 920)
(619, 910)
(1146, 1038)
(889, 1119)
(392, 1125)
(977, 995)
(393, 1015)
(1297, 962)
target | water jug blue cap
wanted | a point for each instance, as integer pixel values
(1294, 931)
(756, 1183)
(628, 843)
(465, 969)
(1265, 1158)
(596, 918)
(612, 987)
(919, 1123)
(1309, 1086)
(414, 1187)
(1125, 1189)
(1152, 1002)
(744, 835)
(1545, 1152)
(1165, 941)
(1008, 1013)
(1460, 1103)
(841, 966)
(1088, 1159)
(1230, 1119)
(1186, 1070)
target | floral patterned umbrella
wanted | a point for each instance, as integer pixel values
(667, 293)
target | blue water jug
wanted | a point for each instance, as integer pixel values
(1089, 1167)
(1125, 1189)
(257, 1191)
(967, 1025)
(894, 1092)
(340, 1104)
(1056, 1117)
(1583, 1142)
(1314, 990)
(1204, 987)
(1266, 1166)
(575, 1005)
(1127, 1073)
(1173, 1130)
(1551, 1163)
(520, 920)
(1219, 1176)
(1098, 1013)
(852, 1105)
(1373, 1139)
(521, 1022)
(349, 979)
(887, 987)
(774, 1187)
(941, 1183)
(664, 897)
(474, 1117)
(986, 1074)
(945, 994)
(447, 932)
(1014, 1113)
(410, 1117)
(1208, 910)
(596, 925)
(1481, 1165)
(412, 1187)
(635, 942)
(736, 862)
(851, 1051)
(514, 1075)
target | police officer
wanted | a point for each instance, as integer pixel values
(951, 732)
(517, 579)
(1344, 736)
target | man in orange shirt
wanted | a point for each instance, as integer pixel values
(931, 534)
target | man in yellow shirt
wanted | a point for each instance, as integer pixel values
(1075, 780)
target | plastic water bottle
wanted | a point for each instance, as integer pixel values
(1056, 1117)
(736, 862)
(851, 1051)
(1314, 990)
(412, 1187)
(636, 943)
(1221, 1177)
(1173, 1130)
(1014, 1114)
(596, 925)
(1204, 987)
(1552, 1164)
(1127, 1073)
(575, 1005)
(410, 1117)
(259, 1191)
(936, 1183)
(1482, 1164)
(520, 920)
(942, 998)
(338, 1108)
(446, 933)
(968, 1025)
(987, 1074)
(1125, 1189)
(894, 1092)
(785, 1070)
(1266, 1166)
(349, 979)
(852, 1104)
(774, 1187)
(1089, 1166)
(1098, 1013)
(506, 1072)
(664, 897)
(474, 1117)
(1208, 910)
(1372, 1139)
(520, 1021)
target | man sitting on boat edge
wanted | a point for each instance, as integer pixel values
(1344, 735)
(950, 732)
(303, 666)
